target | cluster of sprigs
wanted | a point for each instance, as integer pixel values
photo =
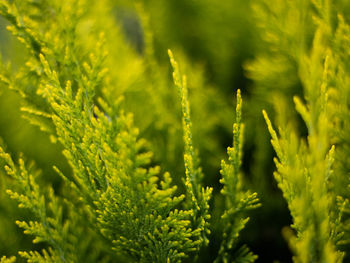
(62, 232)
(307, 169)
(118, 193)
(117, 201)
(118, 206)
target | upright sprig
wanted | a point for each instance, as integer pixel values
(198, 196)
(237, 200)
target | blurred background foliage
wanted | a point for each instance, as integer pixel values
(222, 46)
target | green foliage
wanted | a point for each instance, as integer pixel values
(7, 260)
(103, 123)
(198, 196)
(237, 201)
(62, 231)
(117, 202)
(307, 170)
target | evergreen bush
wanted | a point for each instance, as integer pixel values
(113, 146)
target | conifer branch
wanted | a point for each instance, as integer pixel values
(237, 201)
(198, 196)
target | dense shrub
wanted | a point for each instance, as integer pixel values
(114, 149)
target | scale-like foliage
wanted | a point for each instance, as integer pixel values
(61, 230)
(111, 171)
(237, 201)
(81, 66)
(126, 209)
(306, 170)
(198, 196)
